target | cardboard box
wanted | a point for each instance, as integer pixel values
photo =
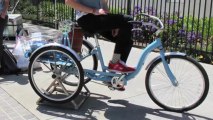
(14, 21)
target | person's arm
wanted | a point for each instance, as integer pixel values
(6, 6)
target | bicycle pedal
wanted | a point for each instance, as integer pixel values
(111, 88)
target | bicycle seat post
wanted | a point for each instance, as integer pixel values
(99, 53)
(96, 40)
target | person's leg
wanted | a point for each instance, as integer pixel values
(122, 46)
(122, 49)
(100, 23)
(124, 42)
(104, 24)
(3, 23)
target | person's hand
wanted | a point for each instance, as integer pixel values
(100, 12)
(115, 32)
(3, 15)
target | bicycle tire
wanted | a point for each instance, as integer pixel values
(177, 99)
(66, 67)
(93, 64)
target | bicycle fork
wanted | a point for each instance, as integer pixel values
(167, 68)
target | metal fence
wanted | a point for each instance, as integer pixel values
(188, 23)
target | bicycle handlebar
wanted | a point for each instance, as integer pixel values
(149, 23)
(154, 25)
(154, 18)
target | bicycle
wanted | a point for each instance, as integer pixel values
(166, 82)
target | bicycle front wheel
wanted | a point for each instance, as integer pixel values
(50, 69)
(192, 88)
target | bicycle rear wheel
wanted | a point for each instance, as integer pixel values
(57, 67)
(192, 88)
(88, 60)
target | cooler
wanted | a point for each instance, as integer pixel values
(14, 21)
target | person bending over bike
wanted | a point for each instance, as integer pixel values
(93, 16)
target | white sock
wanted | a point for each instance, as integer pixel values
(115, 58)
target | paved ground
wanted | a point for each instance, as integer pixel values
(18, 100)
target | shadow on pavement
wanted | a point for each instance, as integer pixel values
(91, 105)
(21, 79)
(134, 112)
(114, 110)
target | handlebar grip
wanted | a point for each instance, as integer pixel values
(144, 14)
(152, 17)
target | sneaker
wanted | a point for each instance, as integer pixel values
(120, 67)
(123, 63)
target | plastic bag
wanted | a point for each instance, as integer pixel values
(22, 47)
(18, 52)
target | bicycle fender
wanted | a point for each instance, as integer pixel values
(166, 54)
(59, 45)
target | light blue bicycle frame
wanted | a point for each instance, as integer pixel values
(107, 76)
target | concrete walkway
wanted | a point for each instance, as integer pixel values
(18, 100)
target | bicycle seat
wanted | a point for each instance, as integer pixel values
(88, 34)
